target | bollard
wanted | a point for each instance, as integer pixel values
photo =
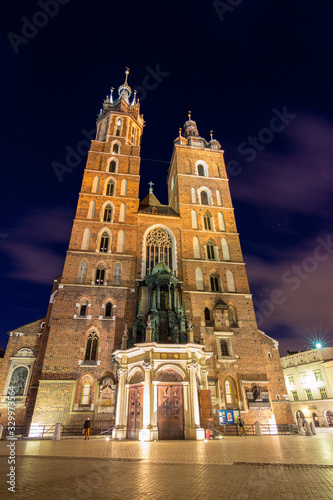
(313, 429)
(257, 427)
(307, 429)
(56, 434)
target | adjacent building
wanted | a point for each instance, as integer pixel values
(309, 381)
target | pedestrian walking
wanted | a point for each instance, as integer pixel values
(241, 426)
(86, 427)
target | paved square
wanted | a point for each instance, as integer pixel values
(243, 468)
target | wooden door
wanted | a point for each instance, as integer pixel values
(135, 403)
(170, 413)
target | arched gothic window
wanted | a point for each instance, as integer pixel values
(221, 221)
(122, 213)
(225, 249)
(121, 241)
(91, 347)
(230, 281)
(228, 393)
(107, 217)
(199, 281)
(95, 185)
(117, 274)
(85, 394)
(105, 240)
(214, 283)
(83, 308)
(224, 349)
(86, 239)
(208, 318)
(81, 277)
(194, 218)
(158, 247)
(196, 248)
(110, 188)
(18, 380)
(108, 310)
(123, 188)
(204, 198)
(100, 275)
(208, 222)
(232, 317)
(118, 130)
(91, 209)
(115, 149)
(201, 170)
(194, 195)
(112, 166)
(218, 197)
(210, 251)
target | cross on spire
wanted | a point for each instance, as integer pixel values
(150, 184)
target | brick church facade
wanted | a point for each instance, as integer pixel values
(151, 325)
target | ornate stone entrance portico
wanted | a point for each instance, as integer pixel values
(171, 376)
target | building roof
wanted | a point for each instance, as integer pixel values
(30, 328)
(151, 205)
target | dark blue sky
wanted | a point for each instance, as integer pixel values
(236, 68)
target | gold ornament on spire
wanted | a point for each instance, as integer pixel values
(211, 134)
(180, 131)
(189, 115)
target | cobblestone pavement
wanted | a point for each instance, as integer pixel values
(243, 468)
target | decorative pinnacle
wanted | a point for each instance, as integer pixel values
(189, 115)
(211, 134)
(180, 131)
(126, 73)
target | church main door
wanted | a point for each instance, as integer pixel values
(135, 403)
(170, 413)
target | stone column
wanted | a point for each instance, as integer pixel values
(119, 431)
(158, 297)
(196, 431)
(145, 432)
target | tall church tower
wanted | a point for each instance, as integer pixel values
(96, 295)
(151, 327)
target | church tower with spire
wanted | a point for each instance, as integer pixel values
(150, 328)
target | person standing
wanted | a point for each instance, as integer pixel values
(86, 427)
(241, 426)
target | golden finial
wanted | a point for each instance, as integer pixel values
(180, 131)
(126, 73)
(189, 115)
(211, 134)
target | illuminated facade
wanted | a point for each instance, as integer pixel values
(309, 381)
(151, 325)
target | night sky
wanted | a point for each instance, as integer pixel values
(258, 73)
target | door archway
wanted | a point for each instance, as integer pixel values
(170, 409)
(329, 418)
(315, 419)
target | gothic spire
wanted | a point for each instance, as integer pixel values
(125, 89)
